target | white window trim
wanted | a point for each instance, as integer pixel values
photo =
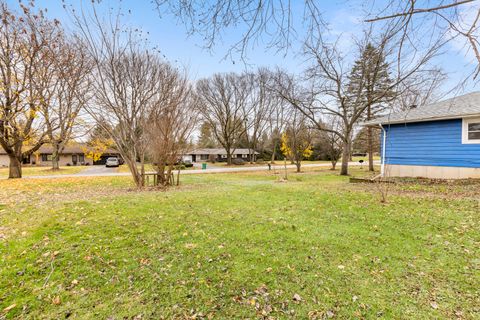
(224, 156)
(465, 123)
(244, 155)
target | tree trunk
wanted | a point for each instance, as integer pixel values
(334, 165)
(345, 158)
(55, 156)
(137, 177)
(370, 140)
(15, 167)
(229, 158)
(142, 168)
(298, 164)
(178, 176)
(272, 161)
(169, 179)
(161, 176)
(370, 149)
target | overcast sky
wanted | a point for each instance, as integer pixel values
(344, 17)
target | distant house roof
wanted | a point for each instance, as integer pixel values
(459, 107)
(219, 151)
(69, 149)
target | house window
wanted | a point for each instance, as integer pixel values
(244, 155)
(81, 158)
(224, 156)
(471, 131)
(46, 157)
(26, 160)
(204, 157)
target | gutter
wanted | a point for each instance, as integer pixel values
(384, 145)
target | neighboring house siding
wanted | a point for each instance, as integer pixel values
(436, 143)
(4, 160)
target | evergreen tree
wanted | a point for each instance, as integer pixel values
(370, 85)
(206, 139)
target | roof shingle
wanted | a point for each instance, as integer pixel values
(453, 108)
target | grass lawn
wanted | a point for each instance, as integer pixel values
(281, 162)
(44, 171)
(236, 246)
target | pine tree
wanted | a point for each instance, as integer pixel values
(206, 139)
(370, 85)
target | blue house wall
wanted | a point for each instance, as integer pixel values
(434, 143)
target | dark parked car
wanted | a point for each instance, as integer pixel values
(187, 163)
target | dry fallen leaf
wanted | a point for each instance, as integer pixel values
(297, 298)
(56, 300)
(10, 307)
(434, 305)
(341, 267)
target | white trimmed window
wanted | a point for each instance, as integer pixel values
(224, 156)
(471, 131)
(244, 155)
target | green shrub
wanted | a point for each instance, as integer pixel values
(238, 161)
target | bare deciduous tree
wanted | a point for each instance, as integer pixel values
(296, 141)
(436, 18)
(281, 24)
(68, 90)
(170, 123)
(221, 103)
(276, 22)
(280, 115)
(327, 90)
(257, 109)
(125, 75)
(331, 141)
(419, 90)
(25, 50)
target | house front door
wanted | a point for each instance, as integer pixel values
(74, 159)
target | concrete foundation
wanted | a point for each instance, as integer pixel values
(395, 170)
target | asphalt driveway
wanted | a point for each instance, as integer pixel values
(97, 170)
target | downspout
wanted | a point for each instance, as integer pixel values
(384, 145)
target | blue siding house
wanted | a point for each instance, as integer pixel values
(441, 140)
